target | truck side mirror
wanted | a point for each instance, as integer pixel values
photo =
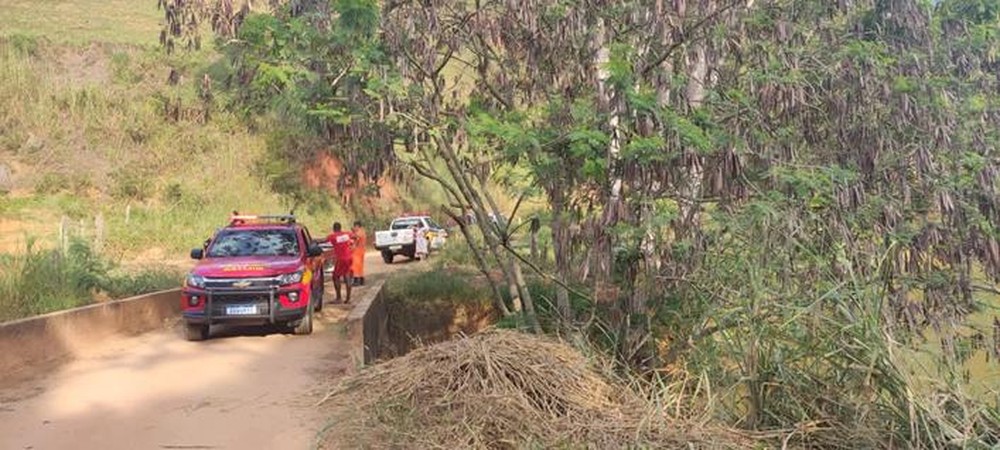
(315, 250)
(197, 253)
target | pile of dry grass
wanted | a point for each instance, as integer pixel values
(501, 389)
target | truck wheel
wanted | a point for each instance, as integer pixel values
(305, 325)
(317, 295)
(196, 332)
(387, 257)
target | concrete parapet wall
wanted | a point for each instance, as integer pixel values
(367, 325)
(35, 341)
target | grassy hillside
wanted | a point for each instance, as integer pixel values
(82, 21)
(108, 172)
(87, 136)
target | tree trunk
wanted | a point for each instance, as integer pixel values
(697, 71)
(561, 244)
(535, 226)
(603, 254)
(521, 286)
(481, 263)
(475, 201)
(529, 304)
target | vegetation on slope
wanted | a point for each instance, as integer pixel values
(105, 138)
(94, 134)
(37, 281)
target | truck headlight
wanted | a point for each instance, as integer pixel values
(290, 278)
(197, 281)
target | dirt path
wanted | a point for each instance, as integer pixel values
(158, 391)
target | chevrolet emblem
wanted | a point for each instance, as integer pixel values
(242, 284)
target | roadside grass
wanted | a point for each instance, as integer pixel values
(455, 253)
(39, 281)
(439, 287)
(83, 21)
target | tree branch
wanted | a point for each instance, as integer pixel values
(685, 37)
(546, 275)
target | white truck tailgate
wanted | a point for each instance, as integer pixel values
(391, 238)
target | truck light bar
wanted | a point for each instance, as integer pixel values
(245, 219)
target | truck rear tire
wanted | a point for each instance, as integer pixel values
(305, 325)
(196, 332)
(387, 257)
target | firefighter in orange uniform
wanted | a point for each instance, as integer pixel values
(360, 241)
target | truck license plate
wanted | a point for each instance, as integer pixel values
(241, 310)
(395, 247)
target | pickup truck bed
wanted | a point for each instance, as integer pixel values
(399, 238)
(395, 242)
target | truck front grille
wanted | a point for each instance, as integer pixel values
(223, 301)
(241, 283)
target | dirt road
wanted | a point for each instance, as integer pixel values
(158, 391)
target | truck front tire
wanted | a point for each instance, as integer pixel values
(305, 326)
(317, 297)
(387, 257)
(196, 332)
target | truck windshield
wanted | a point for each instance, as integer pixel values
(404, 224)
(276, 242)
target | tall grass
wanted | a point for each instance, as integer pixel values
(794, 345)
(38, 281)
(439, 287)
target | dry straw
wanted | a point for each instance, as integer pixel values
(502, 389)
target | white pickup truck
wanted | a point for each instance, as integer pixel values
(398, 239)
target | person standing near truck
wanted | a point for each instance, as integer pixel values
(342, 252)
(360, 242)
(420, 236)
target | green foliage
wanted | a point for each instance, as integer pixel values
(136, 282)
(93, 146)
(437, 288)
(39, 281)
(359, 19)
(455, 254)
(51, 183)
(132, 183)
(318, 84)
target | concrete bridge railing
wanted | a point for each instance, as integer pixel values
(367, 325)
(36, 342)
(28, 343)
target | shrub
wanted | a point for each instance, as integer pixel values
(52, 183)
(131, 183)
(44, 280)
(438, 286)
